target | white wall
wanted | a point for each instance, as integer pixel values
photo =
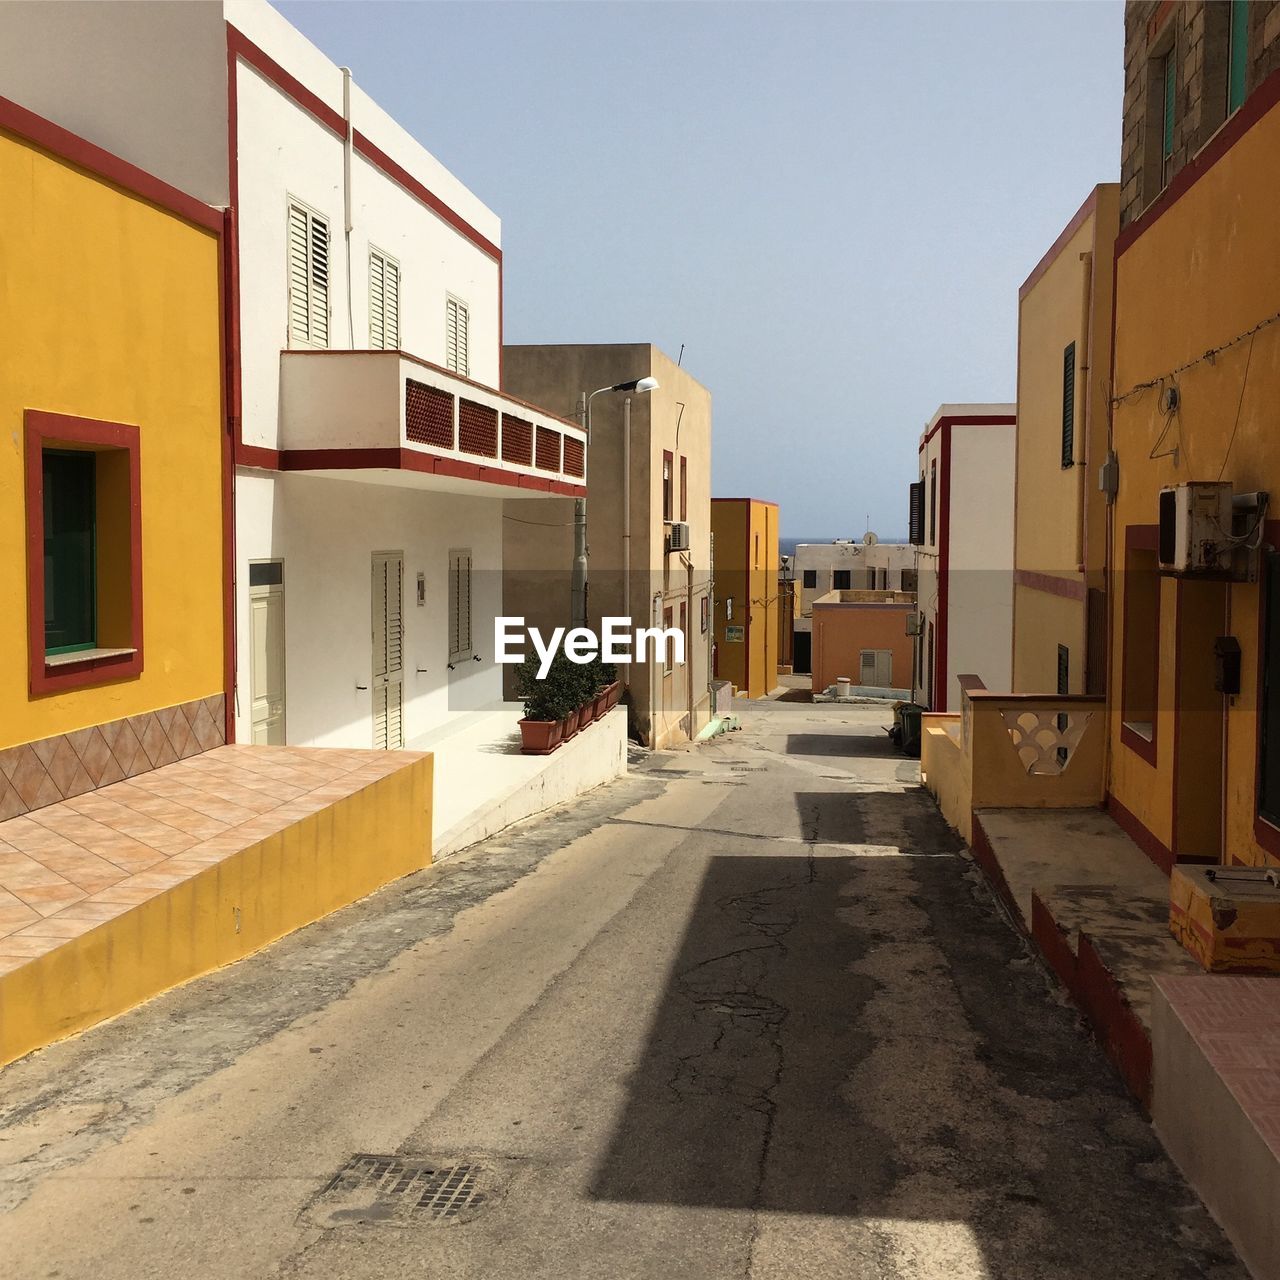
(145, 79)
(284, 151)
(326, 532)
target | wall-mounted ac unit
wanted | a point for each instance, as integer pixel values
(915, 624)
(678, 538)
(1195, 528)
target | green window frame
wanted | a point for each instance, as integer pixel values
(1069, 406)
(1170, 78)
(1269, 711)
(1237, 54)
(70, 550)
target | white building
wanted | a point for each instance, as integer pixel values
(373, 448)
(818, 568)
(962, 525)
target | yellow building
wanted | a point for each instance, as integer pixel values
(113, 519)
(1064, 369)
(745, 534)
(1195, 771)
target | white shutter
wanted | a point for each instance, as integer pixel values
(384, 302)
(388, 651)
(455, 337)
(308, 235)
(459, 606)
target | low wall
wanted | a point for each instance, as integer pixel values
(944, 770)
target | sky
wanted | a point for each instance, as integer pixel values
(829, 206)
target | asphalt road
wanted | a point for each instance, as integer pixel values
(749, 1012)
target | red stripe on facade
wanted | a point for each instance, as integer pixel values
(241, 46)
(1048, 583)
(1151, 845)
(1080, 217)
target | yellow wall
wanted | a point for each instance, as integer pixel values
(109, 309)
(750, 578)
(1060, 515)
(1207, 270)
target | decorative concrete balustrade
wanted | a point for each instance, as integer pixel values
(1013, 751)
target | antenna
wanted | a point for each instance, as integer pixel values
(680, 357)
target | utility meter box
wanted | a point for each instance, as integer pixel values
(1195, 528)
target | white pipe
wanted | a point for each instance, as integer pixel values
(348, 141)
(655, 690)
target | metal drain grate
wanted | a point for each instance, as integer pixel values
(374, 1188)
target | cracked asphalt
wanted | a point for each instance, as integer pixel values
(748, 1012)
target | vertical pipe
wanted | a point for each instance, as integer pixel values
(578, 585)
(347, 142)
(1083, 381)
(626, 519)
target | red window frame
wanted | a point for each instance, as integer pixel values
(57, 431)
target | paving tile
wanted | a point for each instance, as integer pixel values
(30, 779)
(56, 926)
(11, 803)
(127, 892)
(67, 772)
(48, 899)
(27, 946)
(18, 871)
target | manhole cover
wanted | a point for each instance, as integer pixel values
(398, 1190)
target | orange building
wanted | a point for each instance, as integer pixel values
(745, 547)
(862, 636)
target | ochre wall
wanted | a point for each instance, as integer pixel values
(1043, 621)
(109, 309)
(751, 581)
(1206, 270)
(842, 631)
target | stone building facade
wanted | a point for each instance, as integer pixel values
(1188, 65)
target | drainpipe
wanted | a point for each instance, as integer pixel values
(1083, 379)
(348, 140)
(654, 687)
(578, 584)
(688, 648)
(626, 518)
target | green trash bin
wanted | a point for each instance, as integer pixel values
(909, 717)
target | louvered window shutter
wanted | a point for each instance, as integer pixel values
(384, 302)
(460, 647)
(308, 277)
(916, 518)
(1069, 406)
(455, 337)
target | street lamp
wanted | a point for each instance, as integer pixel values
(579, 588)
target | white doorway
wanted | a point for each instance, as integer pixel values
(388, 650)
(266, 653)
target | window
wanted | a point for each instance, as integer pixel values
(1064, 688)
(909, 580)
(308, 277)
(384, 301)
(916, 513)
(684, 628)
(1169, 90)
(667, 496)
(755, 564)
(841, 579)
(668, 656)
(84, 539)
(705, 604)
(1237, 54)
(809, 579)
(684, 487)
(1141, 664)
(70, 556)
(457, 321)
(460, 648)
(1069, 406)
(1269, 711)
(933, 503)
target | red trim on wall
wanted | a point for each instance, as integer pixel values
(1140, 537)
(228, 501)
(1253, 109)
(1079, 218)
(941, 688)
(262, 62)
(102, 164)
(1049, 584)
(379, 158)
(45, 429)
(1151, 845)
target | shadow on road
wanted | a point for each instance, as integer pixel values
(848, 745)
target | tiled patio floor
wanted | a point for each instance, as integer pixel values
(68, 867)
(1235, 1022)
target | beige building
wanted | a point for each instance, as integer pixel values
(641, 497)
(1064, 371)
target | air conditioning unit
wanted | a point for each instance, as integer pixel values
(915, 624)
(678, 538)
(1195, 528)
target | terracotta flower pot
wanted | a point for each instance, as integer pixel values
(602, 703)
(540, 737)
(612, 694)
(586, 713)
(570, 723)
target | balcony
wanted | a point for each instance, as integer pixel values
(1012, 751)
(391, 418)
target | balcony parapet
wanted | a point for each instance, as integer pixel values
(392, 411)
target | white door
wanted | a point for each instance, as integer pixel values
(388, 650)
(266, 653)
(876, 668)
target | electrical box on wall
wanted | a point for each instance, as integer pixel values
(422, 590)
(1195, 528)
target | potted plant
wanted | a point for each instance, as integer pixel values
(611, 686)
(542, 729)
(603, 676)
